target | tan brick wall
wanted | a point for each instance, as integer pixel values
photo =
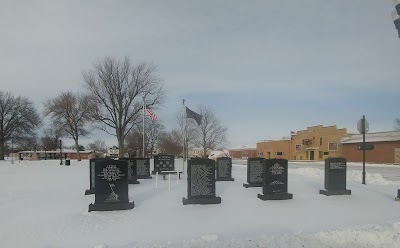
(397, 155)
(383, 152)
(269, 149)
(314, 143)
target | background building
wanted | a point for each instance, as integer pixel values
(274, 149)
(317, 143)
(386, 147)
(244, 152)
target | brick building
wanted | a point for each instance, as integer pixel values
(317, 143)
(244, 152)
(274, 149)
(386, 147)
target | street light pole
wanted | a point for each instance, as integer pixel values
(61, 162)
(45, 155)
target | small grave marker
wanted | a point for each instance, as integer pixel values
(224, 169)
(335, 177)
(254, 172)
(111, 191)
(201, 182)
(275, 180)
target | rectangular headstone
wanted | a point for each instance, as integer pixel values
(201, 182)
(143, 168)
(111, 192)
(132, 171)
(224, 169)
(164, 163)
(275, 180)
(254, 172)
(335, 177)
(90, 191)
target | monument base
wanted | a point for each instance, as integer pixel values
(249, 185)
(89, 191)
(144, 177)
(225, 179)
(111, 206)
(133, 182)
(211, 200)
(285, 196)
(335, 192)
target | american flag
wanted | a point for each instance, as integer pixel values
(151, 114)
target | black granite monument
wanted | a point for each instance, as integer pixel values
(90, 191)
(254, 172)
(143, 168)
(132, 171)
(335, 177)
(275, 180)
(201, 182)
(111, 192)
(224, 169)
(163, 163)
(398, 195)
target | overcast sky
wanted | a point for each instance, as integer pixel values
(266, 67)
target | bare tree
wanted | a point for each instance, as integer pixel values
(50, 139)
(210, 134)
(119, 88)
(397, 124)
(70, 113)
(153, 134)
(134, 139)
(18, 120)
(171, 143)
(97, 145)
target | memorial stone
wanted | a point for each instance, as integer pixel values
(398, 195)
(163, 163)
(111, 191)
(224, 169)
(90, 191)
(201, 182)
(132, 171)
(143, 168)
(275, 180)
(335, 177)
(254, 172)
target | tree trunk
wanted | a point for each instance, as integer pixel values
(77, 149)
(1, 150)
(120, 138)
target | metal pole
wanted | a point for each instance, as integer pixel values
(12, 153)
(45, 155)
(143, 128)
(183, 135)
(363, 150)
(61, 162)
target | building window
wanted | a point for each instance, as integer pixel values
(298, 148)
(321, 154)
(326, 153)
(332, 146)
(279, 153)
(320, 141)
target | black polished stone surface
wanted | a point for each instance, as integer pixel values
(201, 182)
(254, 172)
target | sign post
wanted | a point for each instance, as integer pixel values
(363, 127)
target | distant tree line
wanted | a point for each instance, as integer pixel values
(112, 102)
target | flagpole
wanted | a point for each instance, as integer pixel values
(183, 135)
(143, 127)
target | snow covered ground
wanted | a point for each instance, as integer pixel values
(42, 204)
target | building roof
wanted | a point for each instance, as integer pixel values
(372, 137)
